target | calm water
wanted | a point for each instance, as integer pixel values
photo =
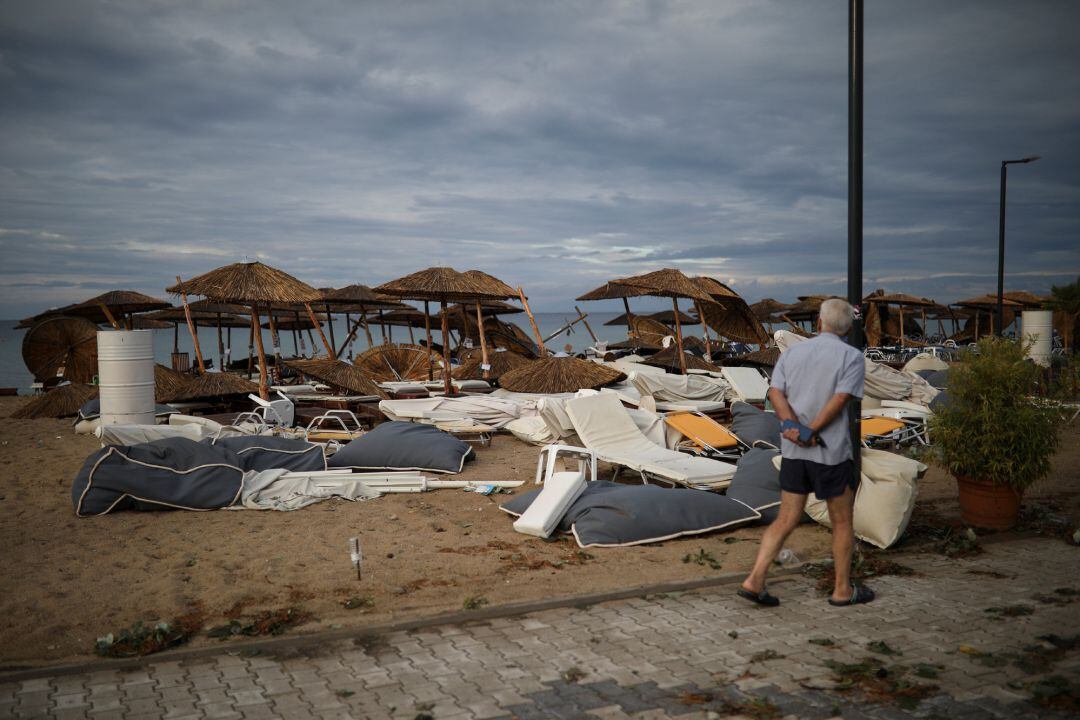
(13, 372)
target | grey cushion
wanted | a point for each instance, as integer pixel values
(940, 401)
(404, 446)
(257, 452)
(937, 378)
(611, 514)
(757, 484)
(174, 473)
(752, 424)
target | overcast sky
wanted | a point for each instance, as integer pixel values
(553, 144)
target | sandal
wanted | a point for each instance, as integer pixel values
(761, 598)
(860, 594)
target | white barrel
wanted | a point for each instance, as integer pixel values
(126, 376)
(1038, 329)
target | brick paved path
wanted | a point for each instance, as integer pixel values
(694, 655)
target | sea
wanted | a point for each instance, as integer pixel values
(13, 372)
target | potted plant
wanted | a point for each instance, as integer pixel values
(991, 435)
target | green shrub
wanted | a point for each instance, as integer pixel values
(990, 429)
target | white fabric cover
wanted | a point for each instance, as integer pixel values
(552, 410)
(747, 383)
(884, 501)
(605, 426)
(486, 409)
(283, 490)
(925, 361)
(558, 494)
(532, 430)
(135, 434)
(677, 388)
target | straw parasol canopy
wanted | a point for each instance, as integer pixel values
(765, 357)
(253, 284)
(107, 307)
(669, 360)
(502, 362)
(339, 375)
(168, 382)
(666, 317)
(1030, 301)
(212, 385)
(734, 320)
(649, 333)
(393, 363)
(64, 401)
(61, 347)
(765, 309)
(986, 302)
(553, 375)
(448, 285)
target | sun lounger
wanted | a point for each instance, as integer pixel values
(560, 489)
(747, 382)
(878, 430)
(704, 436)
(604, 426)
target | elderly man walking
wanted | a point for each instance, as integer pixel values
(811, 386)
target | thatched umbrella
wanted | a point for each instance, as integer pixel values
(670, 283)
(668, 360)
(253, 284)
(882, 299)
(339, 375)
(61, 347)
(728, 314)
(611, 291)
(649, 333)
(765, 357)
(502, 362)
(552, 375)
(212, 385)
(64, 401)
(1030, 301)
(200, 318)
(448, 285)
(106, 307)
(168, 382)
(407, 317)
(361, 299)
(397, 362)
(664, 316)
(988, 304)
(765, 309)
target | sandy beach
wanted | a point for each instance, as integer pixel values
(69, 580)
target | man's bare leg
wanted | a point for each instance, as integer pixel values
(791, 510)
(841, 512)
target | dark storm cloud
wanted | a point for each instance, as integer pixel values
(555, 145)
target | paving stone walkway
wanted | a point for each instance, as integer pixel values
(701, 654)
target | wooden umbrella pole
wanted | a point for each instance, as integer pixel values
(412, 338)
(382, 328)
(311, 341)
(586, 324)
(220, 345)
(532, 321)
(276, 340)
(330, 325)
(678, 335)
(367, 328)
(228, 346)
(295, 342)
(629, 317)
(427, 332)
(251, 351)
(190, 324)
(483, 341)
(256, 330)
(318, 326)
(704, 330)
(446, 343)
(349, 337)
(902, 338)
(109, 315)
(465, 333)
(176, 339)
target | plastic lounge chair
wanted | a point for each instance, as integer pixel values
(747, 382)
(604, 426)
(560, 489)
(280, 411)
(317, 430)
(705, 436)
(876, 430)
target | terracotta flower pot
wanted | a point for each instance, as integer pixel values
(988, 505)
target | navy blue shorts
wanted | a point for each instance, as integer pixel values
(826, 481)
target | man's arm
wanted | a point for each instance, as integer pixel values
(784, 412)
(828, 413)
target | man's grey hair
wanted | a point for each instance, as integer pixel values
(836, 316)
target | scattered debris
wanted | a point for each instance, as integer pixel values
(142, 639)
(824, 642)
(881, 648)
(866, 565)
(991, 574)
(1046, 517)
(271, 622)
(703, 557)
(691, 698)
(359, 602)
(573, 674)
(733, 634)
(344, 693)
(765, 655)
(879, 683)
(1011, 611)
(474, 603)
(927, 670)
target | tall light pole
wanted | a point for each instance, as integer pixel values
(855, 202)
(1001, 240)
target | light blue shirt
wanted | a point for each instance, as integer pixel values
(809, 373)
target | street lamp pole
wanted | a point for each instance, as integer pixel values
(1001, 241)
